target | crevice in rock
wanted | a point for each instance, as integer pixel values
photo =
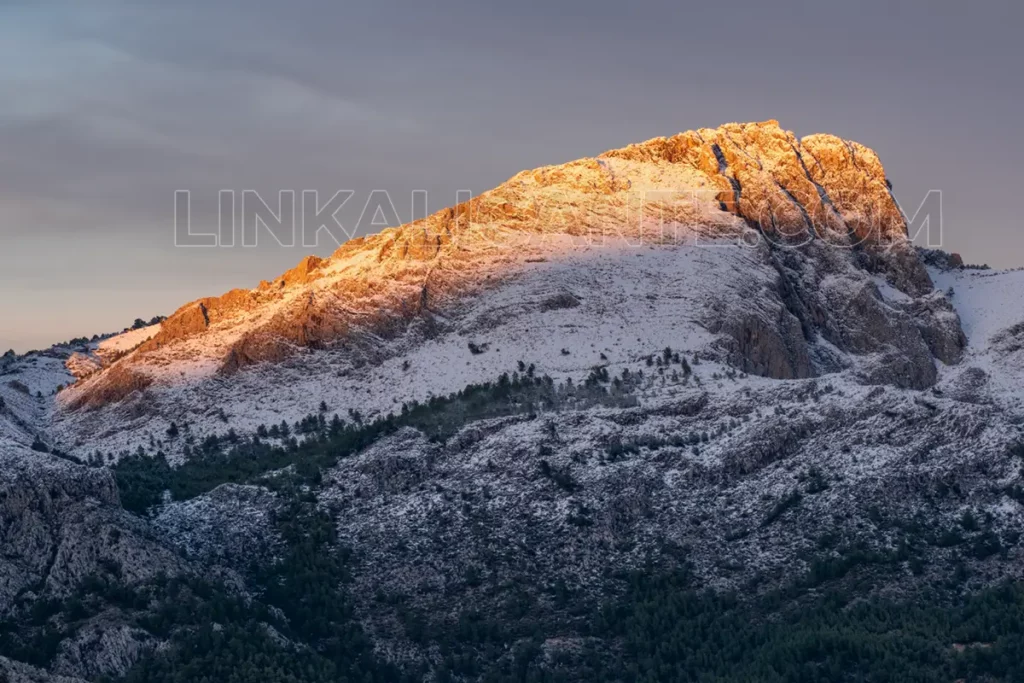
(822, 194)
(803, 211)
(742, 150)
(790, 297)
(817, 162)
(723, 169)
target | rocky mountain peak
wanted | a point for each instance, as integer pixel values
(751, 182)
(785, 185)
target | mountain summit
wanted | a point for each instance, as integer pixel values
(746, 183)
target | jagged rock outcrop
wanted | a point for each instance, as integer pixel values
(819, 295)
(66, 542)
(61, 523)
(106, 646)
(231, 525)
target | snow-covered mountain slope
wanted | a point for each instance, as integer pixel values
(992, 311)
(722, 182)
(742, 242)
(609, 305)
(29, 384)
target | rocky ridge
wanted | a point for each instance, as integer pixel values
(712, 183)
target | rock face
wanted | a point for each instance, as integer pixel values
(61, 526)
(61, 523)
(105, 646)
(791, 188)
(754, 182)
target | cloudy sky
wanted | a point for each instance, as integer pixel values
(109, 107)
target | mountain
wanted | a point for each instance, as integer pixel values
(379, 297)
(589, 425)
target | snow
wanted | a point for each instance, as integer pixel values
(888, 292)
(121, 344)
(28, 385)
(989, 302)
